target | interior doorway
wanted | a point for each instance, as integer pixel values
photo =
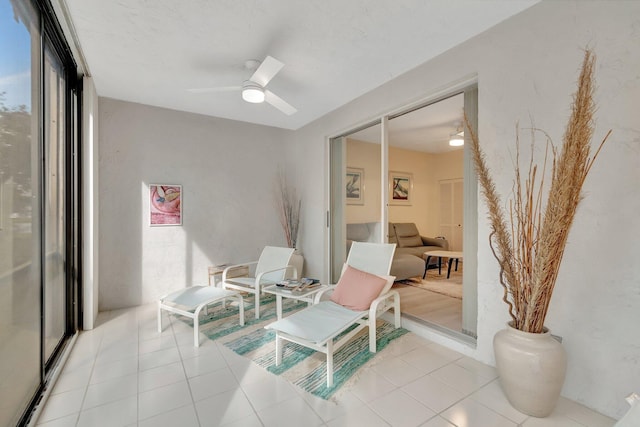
(419, 144)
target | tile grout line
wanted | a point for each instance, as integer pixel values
(142, 318)
(184, 370)
(93, 366)
(491, 409)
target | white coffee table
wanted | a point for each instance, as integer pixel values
(452, 255)
(282, 292)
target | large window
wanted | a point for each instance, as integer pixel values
(37, 79)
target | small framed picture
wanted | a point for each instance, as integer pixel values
(165, 204)
(354, 186)
(400, 188)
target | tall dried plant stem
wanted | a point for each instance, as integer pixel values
(499, 234)
(567, 178)
(525, 216)
(530, 251)
(288, 205)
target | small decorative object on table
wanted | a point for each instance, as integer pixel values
(530, 362)
(301, 290)
(299, 285)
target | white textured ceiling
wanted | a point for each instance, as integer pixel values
(152, 51)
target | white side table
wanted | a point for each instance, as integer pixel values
(281, 292)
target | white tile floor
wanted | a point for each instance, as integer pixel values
(124, 373)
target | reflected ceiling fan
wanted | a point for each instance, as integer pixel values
(253, 90)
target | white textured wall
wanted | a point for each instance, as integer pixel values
(527, 67)
(90, 204)
(227, 170)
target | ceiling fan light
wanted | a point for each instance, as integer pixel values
(456, 140)
(253, 93)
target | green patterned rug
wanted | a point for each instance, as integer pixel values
(221, 322)
(301, 366)
(307, 368)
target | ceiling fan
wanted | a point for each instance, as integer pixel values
(253, 89)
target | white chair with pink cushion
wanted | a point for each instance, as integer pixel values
(362, 294)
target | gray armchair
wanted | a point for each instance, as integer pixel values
(408, 260)
(411, 242)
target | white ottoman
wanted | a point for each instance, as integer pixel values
(190, 301)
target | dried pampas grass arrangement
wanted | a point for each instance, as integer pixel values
(529, 247)
(288, 205)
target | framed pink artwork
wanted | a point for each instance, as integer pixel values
(165, 204)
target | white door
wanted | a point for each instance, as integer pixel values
(451, 211)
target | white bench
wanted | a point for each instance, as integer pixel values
(190, 301)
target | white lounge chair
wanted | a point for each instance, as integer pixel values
(189, 302)
(270, 268)
(316, 327)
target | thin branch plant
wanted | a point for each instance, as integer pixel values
(288, 205)
(529, 246)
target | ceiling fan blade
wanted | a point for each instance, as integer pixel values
(214, 89)
(266, 71)
(279, 103)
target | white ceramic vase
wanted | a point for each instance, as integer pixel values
(297, 260)
(532, 369)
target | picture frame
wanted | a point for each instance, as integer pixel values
(354, 186)
(165, 204)
(400, 188)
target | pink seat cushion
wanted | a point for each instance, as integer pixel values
(357, 289)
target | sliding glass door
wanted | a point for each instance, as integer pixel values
(37, 297)
(54, 198)
(356, 185)
(438, 198)
(20, 238)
